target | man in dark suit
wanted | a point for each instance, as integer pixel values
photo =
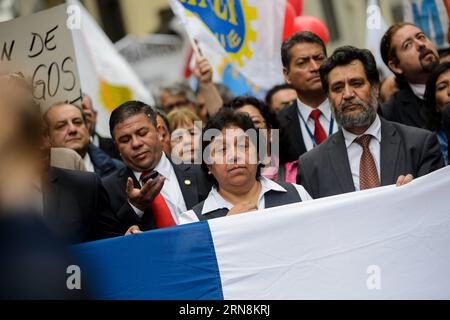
(176, 189)
(412, 57)
(308, 121)
(368, 151)
(67, 129)
(75, 204)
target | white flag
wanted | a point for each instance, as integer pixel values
(375, 29)
(248, 32)
(104, 74)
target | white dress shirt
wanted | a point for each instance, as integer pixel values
(324, 119)
(171, 190)
(88, 163)
(354, 150)
(215, 201)
(418, 90)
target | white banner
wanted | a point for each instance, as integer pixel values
(384, 243)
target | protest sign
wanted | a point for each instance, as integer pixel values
(40, 47)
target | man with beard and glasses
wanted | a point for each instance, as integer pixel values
(367, 151)
(412, 57)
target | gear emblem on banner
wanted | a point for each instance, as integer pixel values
(230, 22)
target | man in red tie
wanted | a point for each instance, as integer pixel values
(151, 192)
(308, 121)
(367, 152)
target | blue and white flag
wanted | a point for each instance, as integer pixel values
(248, 32)
(384, 243)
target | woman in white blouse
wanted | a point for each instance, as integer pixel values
(230, 156)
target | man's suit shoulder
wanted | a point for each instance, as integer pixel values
(75, 178)
(320, 149)
(408, 132)
(286, 113)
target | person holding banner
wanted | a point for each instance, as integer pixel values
(230, 158)
(152, 191)
(368, 151)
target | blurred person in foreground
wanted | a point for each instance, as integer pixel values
(231, 162)
(367, 152)
(34, 261)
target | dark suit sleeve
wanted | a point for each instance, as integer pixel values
(431, 159)
(105, 224)
(302, 177)
(389, 110)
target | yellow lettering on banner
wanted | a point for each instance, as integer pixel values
(112, 96)
(233, 39)
(226, 11)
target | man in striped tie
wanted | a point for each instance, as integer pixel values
(152, 191)
(367, 151)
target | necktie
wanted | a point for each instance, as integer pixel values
(161, 212)
(368, 175)
(319, 134)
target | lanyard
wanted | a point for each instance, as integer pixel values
(311, 135)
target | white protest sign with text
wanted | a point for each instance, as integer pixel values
(40, 46)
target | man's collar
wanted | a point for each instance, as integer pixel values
(374, 130)
(418, 90)
(306, 110)
(163, 168)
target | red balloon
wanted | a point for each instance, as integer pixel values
(307, 23)
(289, 16)
(297, 5)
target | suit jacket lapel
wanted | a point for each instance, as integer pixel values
(187, 183)
(389, 152)
(411, 106)
(338, 157)
(295, 132)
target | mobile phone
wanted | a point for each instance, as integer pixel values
(153, 175)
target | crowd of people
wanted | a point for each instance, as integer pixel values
(332, 127)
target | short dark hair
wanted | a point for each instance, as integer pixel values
(225, 118)
(434, 118)
(128, 110)
(386, 47)
(267, 114)
(343, 56)
(160, 112)
(272, 91)
(297, 38)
